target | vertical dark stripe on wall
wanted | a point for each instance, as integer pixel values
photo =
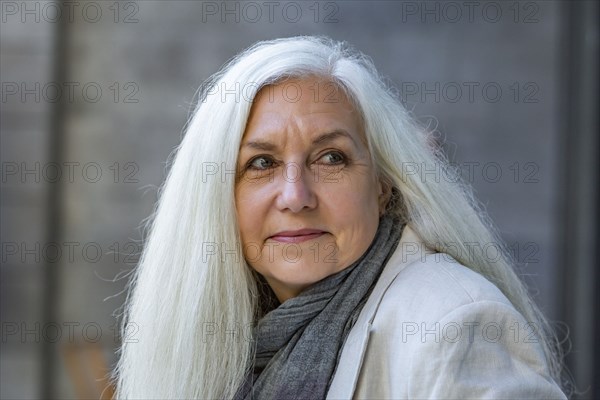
(54, 214)
(577, 158)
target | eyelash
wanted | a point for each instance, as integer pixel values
(344, 160)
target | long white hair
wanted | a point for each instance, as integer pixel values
(193, 298)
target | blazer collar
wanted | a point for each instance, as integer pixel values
(409, 250)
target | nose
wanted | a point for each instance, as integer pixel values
(296, 192)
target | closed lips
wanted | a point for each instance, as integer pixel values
(297, 236)
(301, 232)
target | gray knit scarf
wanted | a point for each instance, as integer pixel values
(298, 343)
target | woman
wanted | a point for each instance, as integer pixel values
(299, 250)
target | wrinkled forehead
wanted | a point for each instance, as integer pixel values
(307, 93)
(309, 88)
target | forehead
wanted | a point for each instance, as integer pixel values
(308, 103)
(303, 91)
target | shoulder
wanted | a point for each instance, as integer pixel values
(453, 333)
(435, 285)
(430, 282)
(434, 328)
(420, 285)
(433, 296)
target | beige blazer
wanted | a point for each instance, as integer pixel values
(433, 328)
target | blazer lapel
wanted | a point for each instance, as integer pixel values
(410, 249)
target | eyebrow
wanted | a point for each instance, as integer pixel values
(323, 138)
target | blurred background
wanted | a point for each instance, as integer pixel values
(95, 95)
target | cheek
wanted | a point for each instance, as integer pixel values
(251, 204)
(354, 212)
(352, 199)
(243, 202)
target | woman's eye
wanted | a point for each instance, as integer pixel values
(334, 158)
(260, 162)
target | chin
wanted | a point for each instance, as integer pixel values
(300, 275)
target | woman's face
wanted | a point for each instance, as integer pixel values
(307, 196)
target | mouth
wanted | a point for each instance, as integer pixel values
(298, 236)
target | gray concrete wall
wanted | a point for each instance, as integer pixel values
(149, 58)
